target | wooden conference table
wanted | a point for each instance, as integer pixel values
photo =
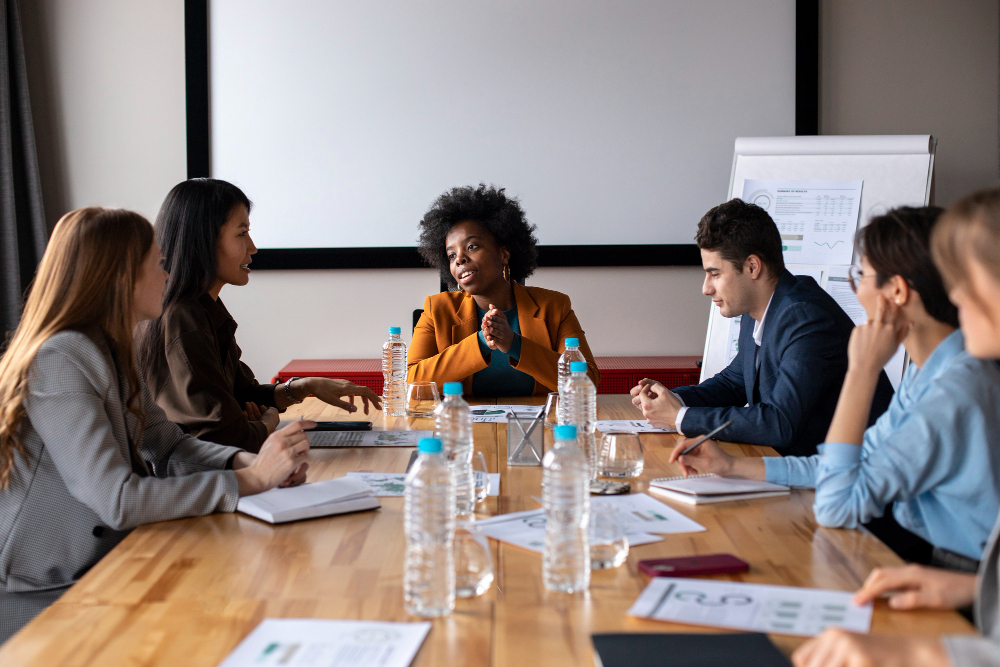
(186, 592)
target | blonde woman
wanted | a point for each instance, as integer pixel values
(85, 453)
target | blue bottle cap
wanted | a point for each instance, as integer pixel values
(572, 342)
(452, 388)
(429, 445)
(395, 330)
(564, 432)
(576, 366)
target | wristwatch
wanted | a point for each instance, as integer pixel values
(288, 391)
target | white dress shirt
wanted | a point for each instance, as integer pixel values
(758, 336)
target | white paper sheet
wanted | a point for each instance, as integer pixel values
(309, 642)
(637, 425)
(527, 530)
(817, 219)
(838, 286)
(499, 414)
(644, 514)
(753, 607)
(366, 438)
(391, 484)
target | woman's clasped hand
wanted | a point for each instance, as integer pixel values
(280, 462)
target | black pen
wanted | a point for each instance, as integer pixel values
(704, 438)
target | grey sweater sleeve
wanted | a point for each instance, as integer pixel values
(68, 411)
(972, 650)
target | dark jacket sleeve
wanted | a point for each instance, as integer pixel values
(246, 388)
(725, 388)
(198, 397)
(810, 370)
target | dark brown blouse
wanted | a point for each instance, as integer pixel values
(199, 380)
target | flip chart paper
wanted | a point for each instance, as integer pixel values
(816, 219)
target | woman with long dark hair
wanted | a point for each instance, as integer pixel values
(189, 355)
(85, 453)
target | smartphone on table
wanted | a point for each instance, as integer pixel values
(342, 426)
(693, 566)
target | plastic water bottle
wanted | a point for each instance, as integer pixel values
(429, 520)
(580, 398)
(566, 497)
(571, 353)
(453, 425)
(394, 374)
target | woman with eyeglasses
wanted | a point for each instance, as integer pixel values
(935, 453)
(966, 250)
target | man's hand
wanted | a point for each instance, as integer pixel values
(659, 405)
(918, 587)
(644, 382)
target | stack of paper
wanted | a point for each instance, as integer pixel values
(333, 496)
(702, 489)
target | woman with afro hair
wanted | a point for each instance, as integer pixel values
(489, 331)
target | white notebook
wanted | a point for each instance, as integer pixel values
(332, 496)
(702, 489)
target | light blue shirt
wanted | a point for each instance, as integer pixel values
(935, 454)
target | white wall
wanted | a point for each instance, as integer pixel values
(107, 82)
(916, 67)
(107, 89)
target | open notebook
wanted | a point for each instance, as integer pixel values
(332, 496)
(702, 489)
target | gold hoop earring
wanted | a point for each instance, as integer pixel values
(506, 273)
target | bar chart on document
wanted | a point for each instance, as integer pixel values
(817, 219)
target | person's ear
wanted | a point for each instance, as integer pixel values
(754, 266)
(899, 290)
(504, 255)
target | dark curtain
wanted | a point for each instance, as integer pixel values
(23, 232)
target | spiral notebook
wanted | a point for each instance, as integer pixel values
(703, 489)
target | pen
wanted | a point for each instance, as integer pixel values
(704, 438)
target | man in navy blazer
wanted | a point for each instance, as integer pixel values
(782, 387)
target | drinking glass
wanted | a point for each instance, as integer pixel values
(620, 455)
(422, 398)
(481, 474)
(473, 560)
(608, 543)
(525, 438)
(551, 410)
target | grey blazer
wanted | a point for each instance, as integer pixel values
(969, 650)
(79, 493)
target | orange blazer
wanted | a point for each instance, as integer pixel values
(445, 345)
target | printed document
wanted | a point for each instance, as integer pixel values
(310, 642)
(637, 425)
(645, 514)
(366, 438)
(499, 414)
(754, 607)
(817, 219)
(389, 484)
(527, 530)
